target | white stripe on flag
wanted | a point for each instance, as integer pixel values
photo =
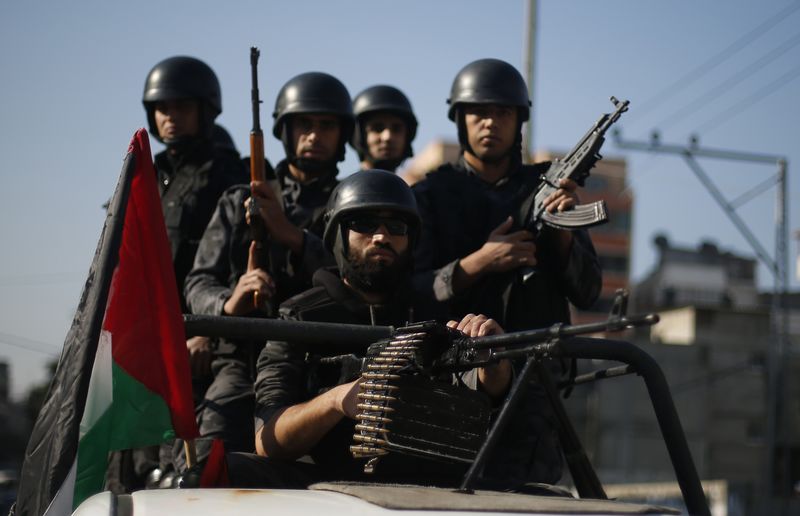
(100, 395)
(61, 505)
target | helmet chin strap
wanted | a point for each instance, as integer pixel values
(340, 249)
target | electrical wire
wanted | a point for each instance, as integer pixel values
(715, 60)
(735, 79)
(749, 101)
(35, 346)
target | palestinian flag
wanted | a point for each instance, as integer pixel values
(123, 379)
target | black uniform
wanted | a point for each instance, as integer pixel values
(458, 212)
(221, 259)
(286, 377)
(190, 184)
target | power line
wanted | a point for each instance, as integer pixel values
(694, 74)
(27, 344)
(732, 81)
(750, 100)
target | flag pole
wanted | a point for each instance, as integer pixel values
(191, 453)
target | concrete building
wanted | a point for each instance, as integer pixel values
(703, 277)
(712, 343)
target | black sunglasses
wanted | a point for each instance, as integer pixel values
(370, 223)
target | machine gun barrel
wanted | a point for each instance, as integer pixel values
(558, 331)
(325, 338)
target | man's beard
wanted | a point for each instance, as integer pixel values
(313, 166)
(375, 276)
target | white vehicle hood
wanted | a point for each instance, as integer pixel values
(320, 501)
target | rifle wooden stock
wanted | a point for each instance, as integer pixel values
(256, 134)
(257, 155)
(257, 229)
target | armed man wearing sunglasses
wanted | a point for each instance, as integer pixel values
(306, 406)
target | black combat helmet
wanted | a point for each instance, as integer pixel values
(368, 191)
(313, 93)
(382, 98)
(183, 77)
(488, 81)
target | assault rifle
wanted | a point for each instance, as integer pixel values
(576, 165)
(258, 232)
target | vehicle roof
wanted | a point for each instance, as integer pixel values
(360, 500)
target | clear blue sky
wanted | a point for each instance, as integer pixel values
(72, 77)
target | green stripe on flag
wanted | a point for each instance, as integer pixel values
(137, 417)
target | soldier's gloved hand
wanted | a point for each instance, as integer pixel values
(242, 300)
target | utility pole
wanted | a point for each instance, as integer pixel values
(779, 267)
(529, 62)
(797, 256)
